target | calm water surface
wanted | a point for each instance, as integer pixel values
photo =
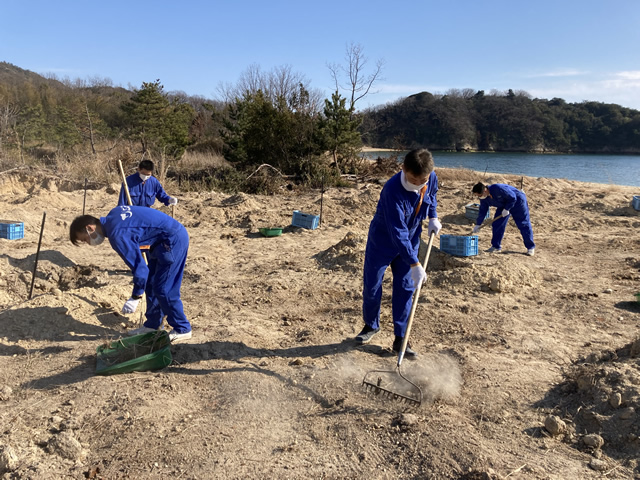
(609, 169)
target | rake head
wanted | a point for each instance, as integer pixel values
(393, 385)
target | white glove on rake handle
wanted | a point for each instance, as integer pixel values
(418, 275)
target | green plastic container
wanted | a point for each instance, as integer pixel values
(638, 297)
(148, 351)
(271, 232)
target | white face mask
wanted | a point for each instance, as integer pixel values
(97, 240)
(483, 196)
(408, 186)
(144, 177)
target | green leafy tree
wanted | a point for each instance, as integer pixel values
(161, 126)
(280, 132)
(340, 131)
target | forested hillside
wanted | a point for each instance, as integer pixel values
(277, 118)
(470, 120)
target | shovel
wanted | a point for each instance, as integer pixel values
(392, 383)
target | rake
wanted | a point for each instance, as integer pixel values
(393, 384)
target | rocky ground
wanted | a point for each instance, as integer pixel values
(529, 366)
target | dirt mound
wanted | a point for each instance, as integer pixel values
(346, 255)
(503, 275)
(599, 403)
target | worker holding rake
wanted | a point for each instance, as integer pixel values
(127, 228)
(407, 198)
(144, 188)
(508, 200)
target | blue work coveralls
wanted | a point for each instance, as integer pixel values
(143, 193)
(394, 239)
(506, 197)
(127, 228)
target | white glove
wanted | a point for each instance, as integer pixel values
(505, 213)
(418, 275)
(173, 201)
(130, 305)
(476, 229)
(434, 226)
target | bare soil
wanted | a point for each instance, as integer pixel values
(529, 366)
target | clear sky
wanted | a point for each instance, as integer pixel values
(572, 49)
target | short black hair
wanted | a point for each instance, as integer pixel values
(146, 165)
(419, 161)
(80, 225)
(478, 187)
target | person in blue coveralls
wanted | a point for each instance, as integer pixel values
(144, 188)
(508, 200)
(127, 228)
(407, 199)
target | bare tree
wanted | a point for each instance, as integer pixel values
(280, 83)
(359, 83)
(8, 117)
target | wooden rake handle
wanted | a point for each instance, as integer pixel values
(414, 304)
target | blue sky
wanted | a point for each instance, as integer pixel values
(576, 50)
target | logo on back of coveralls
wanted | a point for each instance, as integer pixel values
(126, 212)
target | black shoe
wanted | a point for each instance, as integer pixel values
(366, 334)
(408, 352)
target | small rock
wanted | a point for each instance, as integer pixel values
(627, 413)
(297, 361)
(57, 292)
(555, 425)
(408, 419)
(598, 465)
(56, 419)
(66, 445)
(608, 290)
(615, 399)
(8, 459)
(5, 393)
(593, 440)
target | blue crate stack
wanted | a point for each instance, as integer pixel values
(472, 210)
(11, 230)
(305, 220)
(461, 246)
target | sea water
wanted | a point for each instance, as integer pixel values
(595, 168)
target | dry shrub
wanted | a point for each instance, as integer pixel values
(196, 161)
(384, 166)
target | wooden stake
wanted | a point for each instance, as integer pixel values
(35, 266)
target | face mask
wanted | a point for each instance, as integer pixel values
(144, 177)
(97, 240)
(408, 186)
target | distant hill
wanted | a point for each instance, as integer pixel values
(514, 121)
(12, 75)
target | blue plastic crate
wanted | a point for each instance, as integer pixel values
(471, 211)
(636, 202)
(11, 230)
(305, 220)
(461, 246)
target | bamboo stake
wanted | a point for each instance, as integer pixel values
(35, 266)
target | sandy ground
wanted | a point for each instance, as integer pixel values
(528, 366)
